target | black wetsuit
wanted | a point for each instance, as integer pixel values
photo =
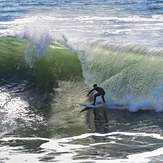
(100, 92)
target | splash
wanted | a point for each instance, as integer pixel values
(39, 40)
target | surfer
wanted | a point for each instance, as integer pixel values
(100, 92)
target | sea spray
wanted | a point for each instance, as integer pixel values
(39, 40)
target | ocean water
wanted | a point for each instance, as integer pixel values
(52, 52)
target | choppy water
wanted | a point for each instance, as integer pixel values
(51, 53)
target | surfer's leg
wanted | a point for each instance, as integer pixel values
(103, 97)
(95, 98)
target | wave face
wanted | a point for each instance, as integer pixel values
(38, 60)
(131, 75)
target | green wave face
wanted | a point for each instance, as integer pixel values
(128, 73)
(12, 51)
(45, 65)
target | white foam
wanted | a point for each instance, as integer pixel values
(67, 150)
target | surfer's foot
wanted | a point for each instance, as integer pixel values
(93, 104)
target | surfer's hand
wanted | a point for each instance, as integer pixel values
(87, 95)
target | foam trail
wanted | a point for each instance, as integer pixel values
(66, 145)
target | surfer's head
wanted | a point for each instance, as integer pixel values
(95, 85)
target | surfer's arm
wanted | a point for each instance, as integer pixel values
(90, 92)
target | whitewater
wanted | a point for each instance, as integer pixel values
(51, 54)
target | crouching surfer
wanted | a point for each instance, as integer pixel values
(100, 92)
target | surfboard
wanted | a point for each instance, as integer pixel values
(89, 105)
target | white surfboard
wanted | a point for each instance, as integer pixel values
(89, 105)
